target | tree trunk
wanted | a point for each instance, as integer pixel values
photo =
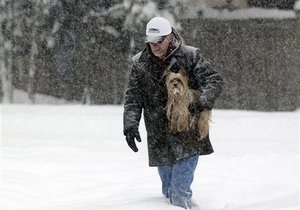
(3, 70)
(34, 50)
(32, 67)
(6, 52)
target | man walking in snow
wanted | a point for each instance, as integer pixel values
(175, 154)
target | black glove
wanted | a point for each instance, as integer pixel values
(195, 107)
(199, 105)
(130, 136)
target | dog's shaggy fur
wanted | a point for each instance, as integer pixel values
(179, 99)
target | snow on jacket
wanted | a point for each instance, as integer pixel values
(147, 92)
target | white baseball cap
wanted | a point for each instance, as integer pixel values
(156, 28)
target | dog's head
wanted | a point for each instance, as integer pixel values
(177, 83)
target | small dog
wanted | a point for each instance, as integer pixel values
(179, 99)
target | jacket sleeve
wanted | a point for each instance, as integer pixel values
(133, 102)
(209, 81)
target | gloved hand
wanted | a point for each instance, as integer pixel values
(197, 106)
(130, 136)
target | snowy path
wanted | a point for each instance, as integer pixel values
(76, 158)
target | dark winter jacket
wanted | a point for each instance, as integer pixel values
(146, 91)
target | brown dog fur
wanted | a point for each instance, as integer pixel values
(179, 98)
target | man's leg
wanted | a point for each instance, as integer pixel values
(182, 177)
(165, 173)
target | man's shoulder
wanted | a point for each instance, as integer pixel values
(189, 52)
(141, 57)
(188, 48)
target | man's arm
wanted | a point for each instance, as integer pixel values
(210, 81)
(132, 109)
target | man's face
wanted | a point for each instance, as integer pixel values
(160, 49)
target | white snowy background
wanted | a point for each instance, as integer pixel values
(74, 157)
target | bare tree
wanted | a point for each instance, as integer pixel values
(2, 64)
(39, 8)
(6, 23)
(34, 50)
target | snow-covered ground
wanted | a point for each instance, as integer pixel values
(73, 157)
(21, 97)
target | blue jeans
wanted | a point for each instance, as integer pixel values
(177, 179)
